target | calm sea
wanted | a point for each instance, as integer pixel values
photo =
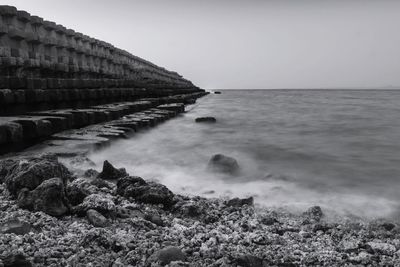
(339, 149)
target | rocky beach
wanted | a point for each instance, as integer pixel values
(55, 216)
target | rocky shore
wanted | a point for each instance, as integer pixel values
(51, 215)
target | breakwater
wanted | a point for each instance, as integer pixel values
(53, 79)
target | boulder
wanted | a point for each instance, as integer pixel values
(239, 202)
(78, 189)
(145, 192)
(217, 92)
(223, 164)
(109, 172)
(96, 218)
(314, 213)
(30, 173)
(48, 197)
(102, 203)
(206, 119)
(166, 255)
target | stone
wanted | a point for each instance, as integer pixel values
(145, 192)
(15, 260)
(217, 92)
(48, 197)
(206, 119)
(239, 202)
(268, 220)
(102, 203)
(15, 226)
(157, 220)
(223, 164)
(78, 189)
(249, 261)
(314, 213)
(166, 255)
(109, 172)
(96, 218)
(388, 226)
(30, 173)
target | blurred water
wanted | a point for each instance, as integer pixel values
(334, 148)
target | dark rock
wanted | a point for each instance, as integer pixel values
(157, 220)
(206, 119)
(100, 183)
(30, 173)
(165, 256)
(249, 261)
(99, 202)
(145, 192)
(109, 172)
(15, 226)
(78, 189)
(314, 213)
(15, 260)
(96, 218)
(91, 173)
(239, 202)
(223, 164)
(48, 197)
(269, 220)
(217, 92)
(388, 226)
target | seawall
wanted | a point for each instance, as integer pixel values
(53, 79)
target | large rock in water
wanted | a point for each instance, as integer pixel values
(206, 119)
(145, 192)
(109, 172)
(223, 164)
(30, 173)
(48, 197)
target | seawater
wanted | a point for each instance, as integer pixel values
(339, 149)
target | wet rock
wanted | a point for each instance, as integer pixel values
(206, 119)
(217, 92)
(78, 189)
(239, 202)
(223, 164)
(96, 218)
(314, 213)
(15, 226)
(102, 203)
(109, 172)
(15, 260)
(249, 261)
(48, 197)
(166, 256)
(145, 192)
(30, 173)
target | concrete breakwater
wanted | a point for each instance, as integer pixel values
(53, 79)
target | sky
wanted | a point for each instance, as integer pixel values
(240, 44)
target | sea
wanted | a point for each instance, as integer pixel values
(339, 149)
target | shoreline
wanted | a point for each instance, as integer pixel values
(128, 221)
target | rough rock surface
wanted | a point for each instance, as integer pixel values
(31, 172)
(48, 197)
(109, 172)
(144, 192)
(223, 164)
(203, 232)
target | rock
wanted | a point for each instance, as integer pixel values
(268, 220)
(109, 172)
(91, 173)
(145, 192)
(315, 213)
(48, 197)
(249, 261)
(206, 119)
(15, 260)
(239, 202)
(96, 219)
(100, 183)
(223, 164)
(388, 226)
(157, 220)
(166, 255)
(15, 226)
(30, 173)
(102, 203)
(383, 248)
(78, 189)
(217, 92)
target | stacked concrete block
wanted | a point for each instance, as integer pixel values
(39, 49)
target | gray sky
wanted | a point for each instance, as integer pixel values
(247, 43)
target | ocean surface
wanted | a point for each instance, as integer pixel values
(339, 149)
